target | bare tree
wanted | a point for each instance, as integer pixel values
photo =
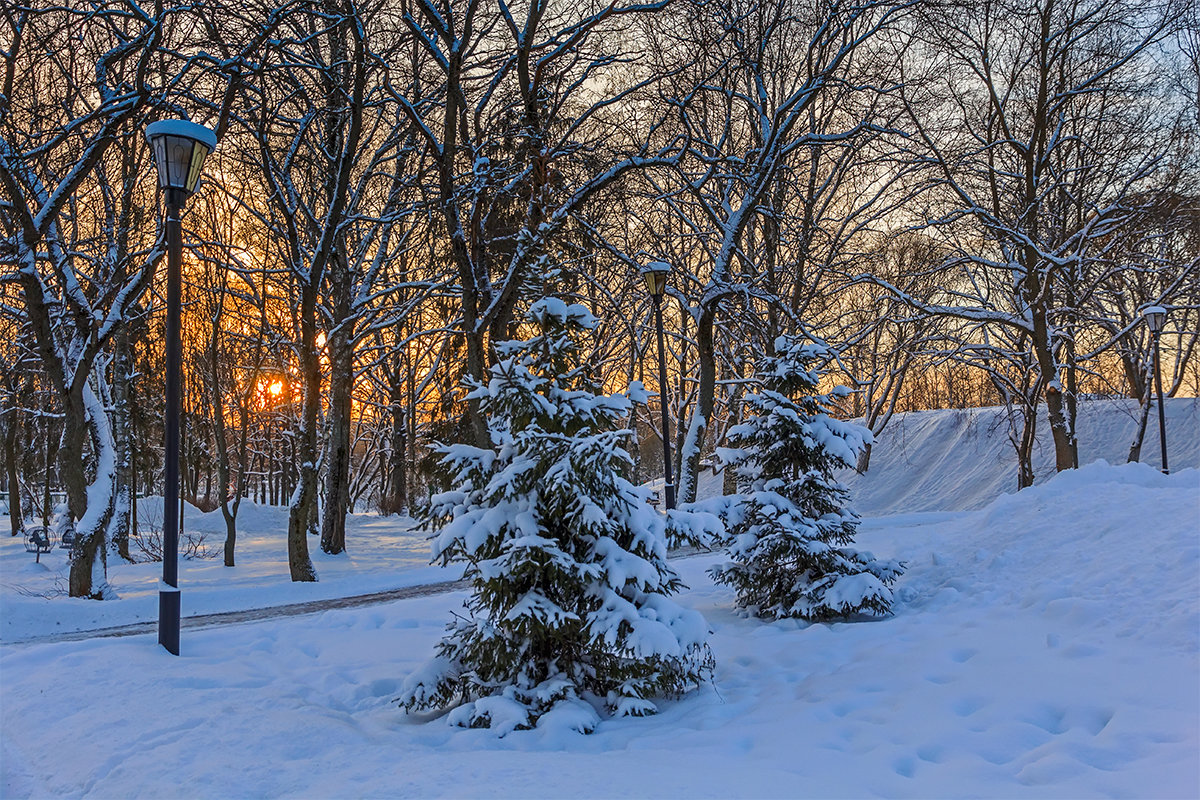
(76, 86)
(1021, 124)
(518, 116)
(777, 183)
(880, 339)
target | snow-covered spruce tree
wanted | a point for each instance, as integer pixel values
(570, 607)
(787, 535)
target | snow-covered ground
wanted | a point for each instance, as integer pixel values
(1044, 644)
(383, 554)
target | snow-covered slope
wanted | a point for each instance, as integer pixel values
(962, 459)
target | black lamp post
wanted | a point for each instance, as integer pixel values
(655, 274)
(1155, 317)
(179, 149)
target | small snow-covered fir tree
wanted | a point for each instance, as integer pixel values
(570, 608)
(788, 535)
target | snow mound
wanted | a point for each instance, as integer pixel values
(1114, 550)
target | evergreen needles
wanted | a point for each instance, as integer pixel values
(570, 608)
(788, 535)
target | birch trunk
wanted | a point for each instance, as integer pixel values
(693, 443)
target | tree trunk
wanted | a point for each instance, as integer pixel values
(50, 455)
(1025, 449)
(693, 444)
(123, 434)
(304, 500)
(1064, 450)
(864, 460)
(229, 509)
(337, 454)
(133, 464)
(10, 460)
(1064, 455)
(1135, 449)
(70, 457)
(395, 500)
(729, 479)
(1071, 398)
(477, 368)
(89, 561)
(223, 472)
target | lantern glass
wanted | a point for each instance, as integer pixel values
(180, 148)
(655, 274)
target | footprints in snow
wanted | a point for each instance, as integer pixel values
(931, 753)
(963, 654)
(966, 706)
(959, 655)
(998, 714)
(906, 766)
(1056, 720)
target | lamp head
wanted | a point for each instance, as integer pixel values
(179, 148)
(1155, 317)
(655, 274)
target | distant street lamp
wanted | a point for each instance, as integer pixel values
(179, 149)
(655, 274)
(1155, 317)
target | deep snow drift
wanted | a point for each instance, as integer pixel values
(1047, 644)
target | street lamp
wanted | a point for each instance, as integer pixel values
(179, 148)
(1155, 317)
(655, 274)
